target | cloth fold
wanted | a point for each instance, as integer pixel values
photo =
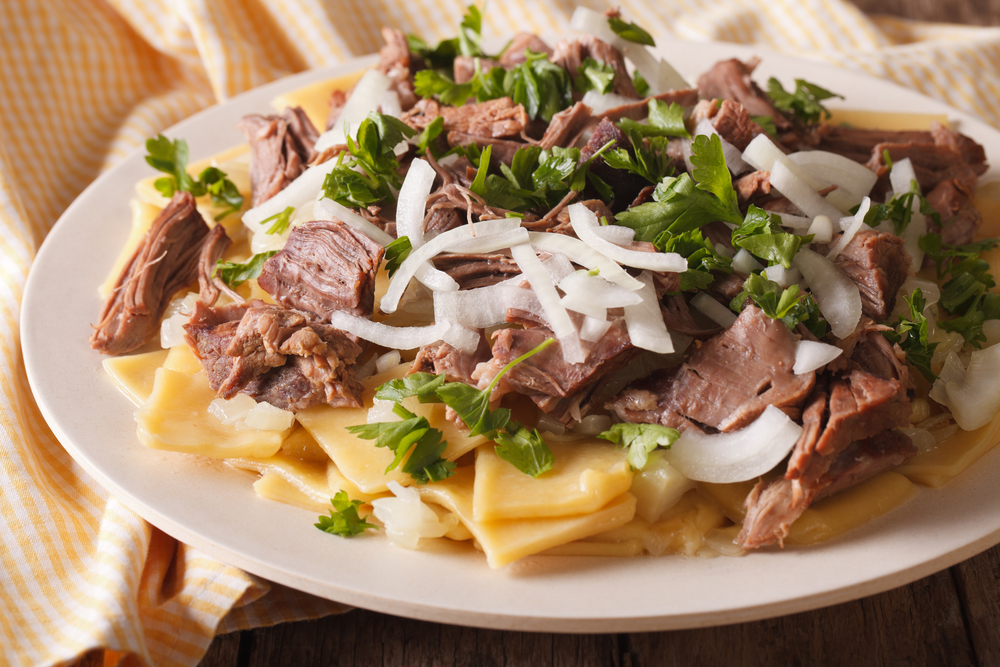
(85, 82)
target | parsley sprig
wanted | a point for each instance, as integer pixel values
(762, 236)
(640, 440)
(524, 448)
(630, 31)
(468, 42)
(968, 292)
(369, 172)
(899, 210)
(414, 435)
(396, 253)
(171, 157)
(701, 255)
(804, 102)
(344, 519)
(788, 305)
(594, 75)
(235, 274)
(911, 334)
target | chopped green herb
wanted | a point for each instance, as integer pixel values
(665, 120)
(427, 136)
(630, 31)
(344, 519)
(701, 255)
(374, 152)
(425, 463)
(396, 253)
(899, 210)
(640, 84)
(235, 274)
(911, 335)
(967, 294)
(281, 221)
(467, 43)
(171, 157)
(594, 75)
(648, 157)
(761, 235)
(524, 449)
(422, 385)
(804, 102)
(640, 440)
(788, 305)
(766, 123)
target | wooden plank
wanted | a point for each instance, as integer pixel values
(978, 581)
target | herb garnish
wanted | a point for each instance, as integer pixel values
(761, 235)
(235, 274)
(344, 519)
(374, 153)
(899, 210)
(804, 103)
(630, 31)
(594, 75)
(281, 221)
(171, 157)
(968, 292)
(912, 336)
(788, 305)
(425, 463)
(396, 253)
(640, 440)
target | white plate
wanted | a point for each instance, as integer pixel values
(216, 509)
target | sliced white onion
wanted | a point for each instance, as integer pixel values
(266, 417)
(617, 234)
(600, 104)
(821, 229)
(580, 304)
(491, 242)
(558, 267)
(856, 222)
(412, 201)
(975, 400)
(366, 369)
(593, 330)
(584, 221)
(407, 519)
(299, 193)
(593, 23)
(901, 176)
(737, 456)
(178, 314)
(329, 209)
(929, 289)
(461, 338)
(734, 160)
(795, 221)
(836, 170)
(811, 355)
(837, 296)
(744, 262)
(364, 99)
(580, 253)
(389, 104)
(911, 238)
(475, 308)
(418, 257)
(644, 320)
(714, 310)
(562, 326)
(724, 250)
(396, 338)
(386, 361)
(593, 425)
(599, 291)
(784, 277)
(799, 192)
(233, 411)
(381, 412)
(952, 372)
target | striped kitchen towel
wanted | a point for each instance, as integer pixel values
(85, 82)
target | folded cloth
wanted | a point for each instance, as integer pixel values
(85, 82)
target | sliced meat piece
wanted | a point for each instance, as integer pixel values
(730, 119)
(214, 245)
(678, 318)
(275, 355)
(457, 366)
(559, 222)
(878, 264)
(324, 267)
(396, 62)
(513, 55)
(477, 270)
(728, 380)
(496, 119)
(558, 388)
(166, 260)
(731, 80)
(570, 54)
(686, 97)
(624, 184)
(751, 187)
(281, 148)
(932, 163)
(866, 348)
(959, 216)
(566, 126)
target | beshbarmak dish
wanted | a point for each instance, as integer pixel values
(556, 300)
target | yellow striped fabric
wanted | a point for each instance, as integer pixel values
(85, 82)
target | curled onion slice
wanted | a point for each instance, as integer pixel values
(617, 234)
(851, 230)
(580, 253)
(364, 99)
(736, 456)
(836, 295)
(821, 229)
(901, 176)
(811, 355)
(327, 208)
(836, 170)
(599, 291)
(412, 201)
(644, 320)
(584, 221)
(396, 338)
(475, 308)
(713, 309)
(301, 191)
(975, 398)
(799, 192)
(562, 326)
(593, 330)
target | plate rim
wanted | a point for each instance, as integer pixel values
(429, 610)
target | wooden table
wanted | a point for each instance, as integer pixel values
(952, 617)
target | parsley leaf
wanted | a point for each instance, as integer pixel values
(594, 75)
(766, 123)
(235, 274)
(640, 84)
(640, 440)
(630, 31)
(422, 385)
(701, 255)
(761, 235)
(650, 160)
(344, 519)
(171, 157)
(968, 292)
(788, 305)
(374, 152)
(396, 253)
(429, 135)
(524, 448)
(467, 43)
(911, 335)
(899, 210)
(425, 463)
(665, 120)
(431, 82)
(804, 102)
(281, 221)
